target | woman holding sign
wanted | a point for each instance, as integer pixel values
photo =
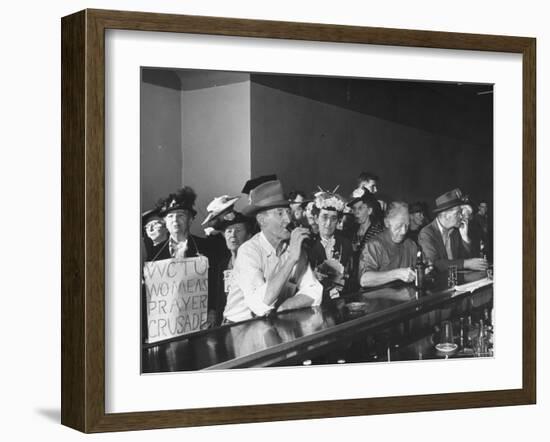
(177, 211)
(236, 229)
(176, 214)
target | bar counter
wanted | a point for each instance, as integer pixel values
(394, 322)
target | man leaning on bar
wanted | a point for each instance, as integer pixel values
(446, 241)
(271, 271)
(390, 256)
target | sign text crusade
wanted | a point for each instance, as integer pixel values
(177, 296)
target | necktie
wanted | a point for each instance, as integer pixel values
(447, 241)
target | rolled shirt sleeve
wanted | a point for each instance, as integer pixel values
(311, 287)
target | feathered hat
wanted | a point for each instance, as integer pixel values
(183, 199)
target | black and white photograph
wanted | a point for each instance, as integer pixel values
(292, 220)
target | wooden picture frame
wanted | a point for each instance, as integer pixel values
(83, 219)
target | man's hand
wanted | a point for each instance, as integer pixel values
(405, 274)
(297, 237)
(463, 229)
(429, 268)
(478, 264)
(320, 276)
(210, 320)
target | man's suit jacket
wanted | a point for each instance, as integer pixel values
(431, 242)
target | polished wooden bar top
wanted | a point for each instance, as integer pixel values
(293, 335)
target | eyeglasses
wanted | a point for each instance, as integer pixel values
(328, 218)
(154, 225)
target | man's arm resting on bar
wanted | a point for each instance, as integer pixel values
(310, 293)
(373, 279)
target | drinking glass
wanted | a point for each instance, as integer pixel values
(447, 342)
(452, 276)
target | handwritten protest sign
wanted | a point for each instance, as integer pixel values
(177, 296)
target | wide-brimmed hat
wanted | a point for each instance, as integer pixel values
(450, 199)
(183, 199)
(221, 213)
(362, 194)
(218, 206)
(266, 196)
(223, 221)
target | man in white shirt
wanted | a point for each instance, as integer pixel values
(271, 271)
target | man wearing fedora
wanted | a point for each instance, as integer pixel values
(445, 241)
(271, 271)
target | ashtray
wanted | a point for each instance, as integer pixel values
(356, 307)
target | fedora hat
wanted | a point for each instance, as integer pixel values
(255, 182)
(449, 199)
(265, 196)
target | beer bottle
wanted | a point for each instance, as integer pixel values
(419, 271)
(467, 331)
(482, 251)
(482, 338)
(462, 332)
(487, 319)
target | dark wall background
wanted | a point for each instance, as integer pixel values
(422, 139)
(214, 130)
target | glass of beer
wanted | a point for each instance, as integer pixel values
(447, 340)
